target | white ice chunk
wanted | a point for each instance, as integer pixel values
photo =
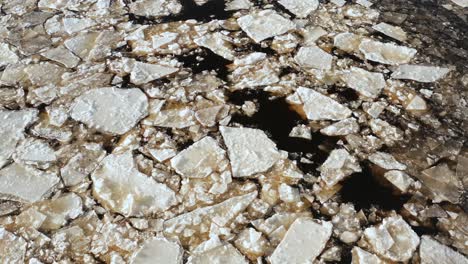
(303, 242)
(321, 107)
(419, 73)
(264, 24)
(250, 150)
(110, 110)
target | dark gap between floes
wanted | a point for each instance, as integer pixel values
(422, 230)
(277, 118)
(344, 94)
(364, 191)
(205, 60)
(255, 47)
(212, 10)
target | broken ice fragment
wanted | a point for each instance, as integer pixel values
(30, 218)
(361, 256)
(391, 31)
(264, 24)
(200, 159)
(208, 116)
(221, 214)
(275, 227)
(110, 110)
(7, 56)
(251, 242)
(339, 3)
(62, 55)
(219, 254)
(338, 165)
(386, 161)
(141, 73)
(159, 250)
(462, 3)
(393, 239)
(301, 131)
(45, 73)
(311, 34)
(314, 57)
(341, 128)
(250, 59)
(257, 71)
(374, 109)
(433, 252)
(11, 130)
(72, 25)
(443, 183)
(364, 3)
(155, 8)
(177, 117)
(35, 150)
(386, 53)
(462, 168)
(416, 104)
(163, 39)
(250, 150)
(82, 43)
(59, 211)
(120, 187)
(238, 5)
(54, 4)
(162, 154)
(303, 242)
(82, 164)
(388, 133)
(368, 84)
(348, 42)
(218, 43)
(285, 43)
(399, 179)
(321, 107)
(12, 247)
(332, 254)
(25, 183)
(419, 73)
(289, 194)
(301, 8)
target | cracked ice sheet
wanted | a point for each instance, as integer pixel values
(321, 107)
(250, 150)
(264, 24)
